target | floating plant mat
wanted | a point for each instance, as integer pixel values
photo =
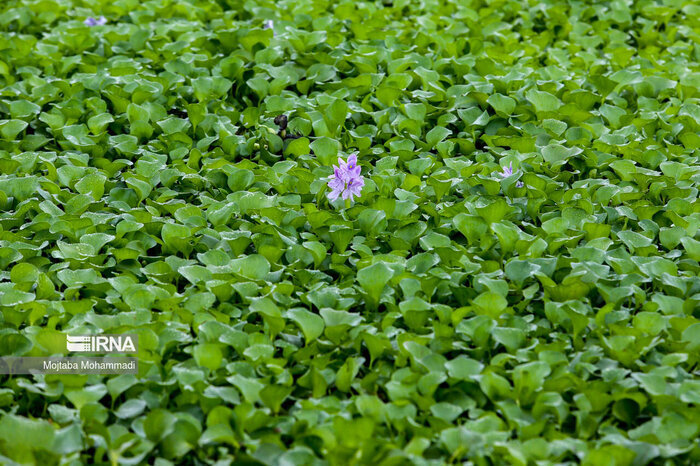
(353, 232)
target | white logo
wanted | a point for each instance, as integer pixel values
(102, 343)
(78, 343)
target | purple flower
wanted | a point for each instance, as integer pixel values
(101, 21)
(269, 24)
(354, 188)
(508, 171)
(336, 183)
(346, 179)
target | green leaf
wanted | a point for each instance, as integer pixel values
(26, 434)
(274, 395)
(464, 368)
(10, 129)
(208, 88)
(24, 109)
(92, 184)
(158, 424)
(254, 266)
(176, 237)
(503, 105)
(556, 154)
(240, 180)
(130, 409)
(326, 149)
(373, 279)
(310, 324)
(436, 135)
(347, 373)
(82, 396)
(98, 123)
(543, 101)
(208, 355)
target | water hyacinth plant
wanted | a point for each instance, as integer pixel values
(166, 178)
(346, 180)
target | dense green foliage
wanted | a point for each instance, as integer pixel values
(445, 315)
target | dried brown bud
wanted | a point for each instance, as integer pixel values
(281, 121)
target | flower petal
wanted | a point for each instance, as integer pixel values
(333, 195)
